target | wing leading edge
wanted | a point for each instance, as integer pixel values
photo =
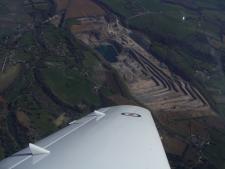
(120, 137)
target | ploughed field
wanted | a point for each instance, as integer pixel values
(76, 9)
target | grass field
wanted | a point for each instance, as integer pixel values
(73, 85)
(215, 151)
(3, 7)
(70, 85)
(7, 77)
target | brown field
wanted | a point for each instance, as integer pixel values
(60, 120)
(173, 145)
(2, 100)
(83, 8)
(84, 27)
(81, 28)
(61, 4)
(8, 77)
(23, 119)
(120, 100)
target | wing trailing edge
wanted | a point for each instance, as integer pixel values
(119, 137)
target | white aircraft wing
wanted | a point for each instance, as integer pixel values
(120, 137)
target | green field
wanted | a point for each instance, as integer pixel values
(47, 75)
(70, 85)
(7, 77)
(215, 151)
(70, 76)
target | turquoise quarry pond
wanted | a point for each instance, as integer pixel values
(108, 52)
